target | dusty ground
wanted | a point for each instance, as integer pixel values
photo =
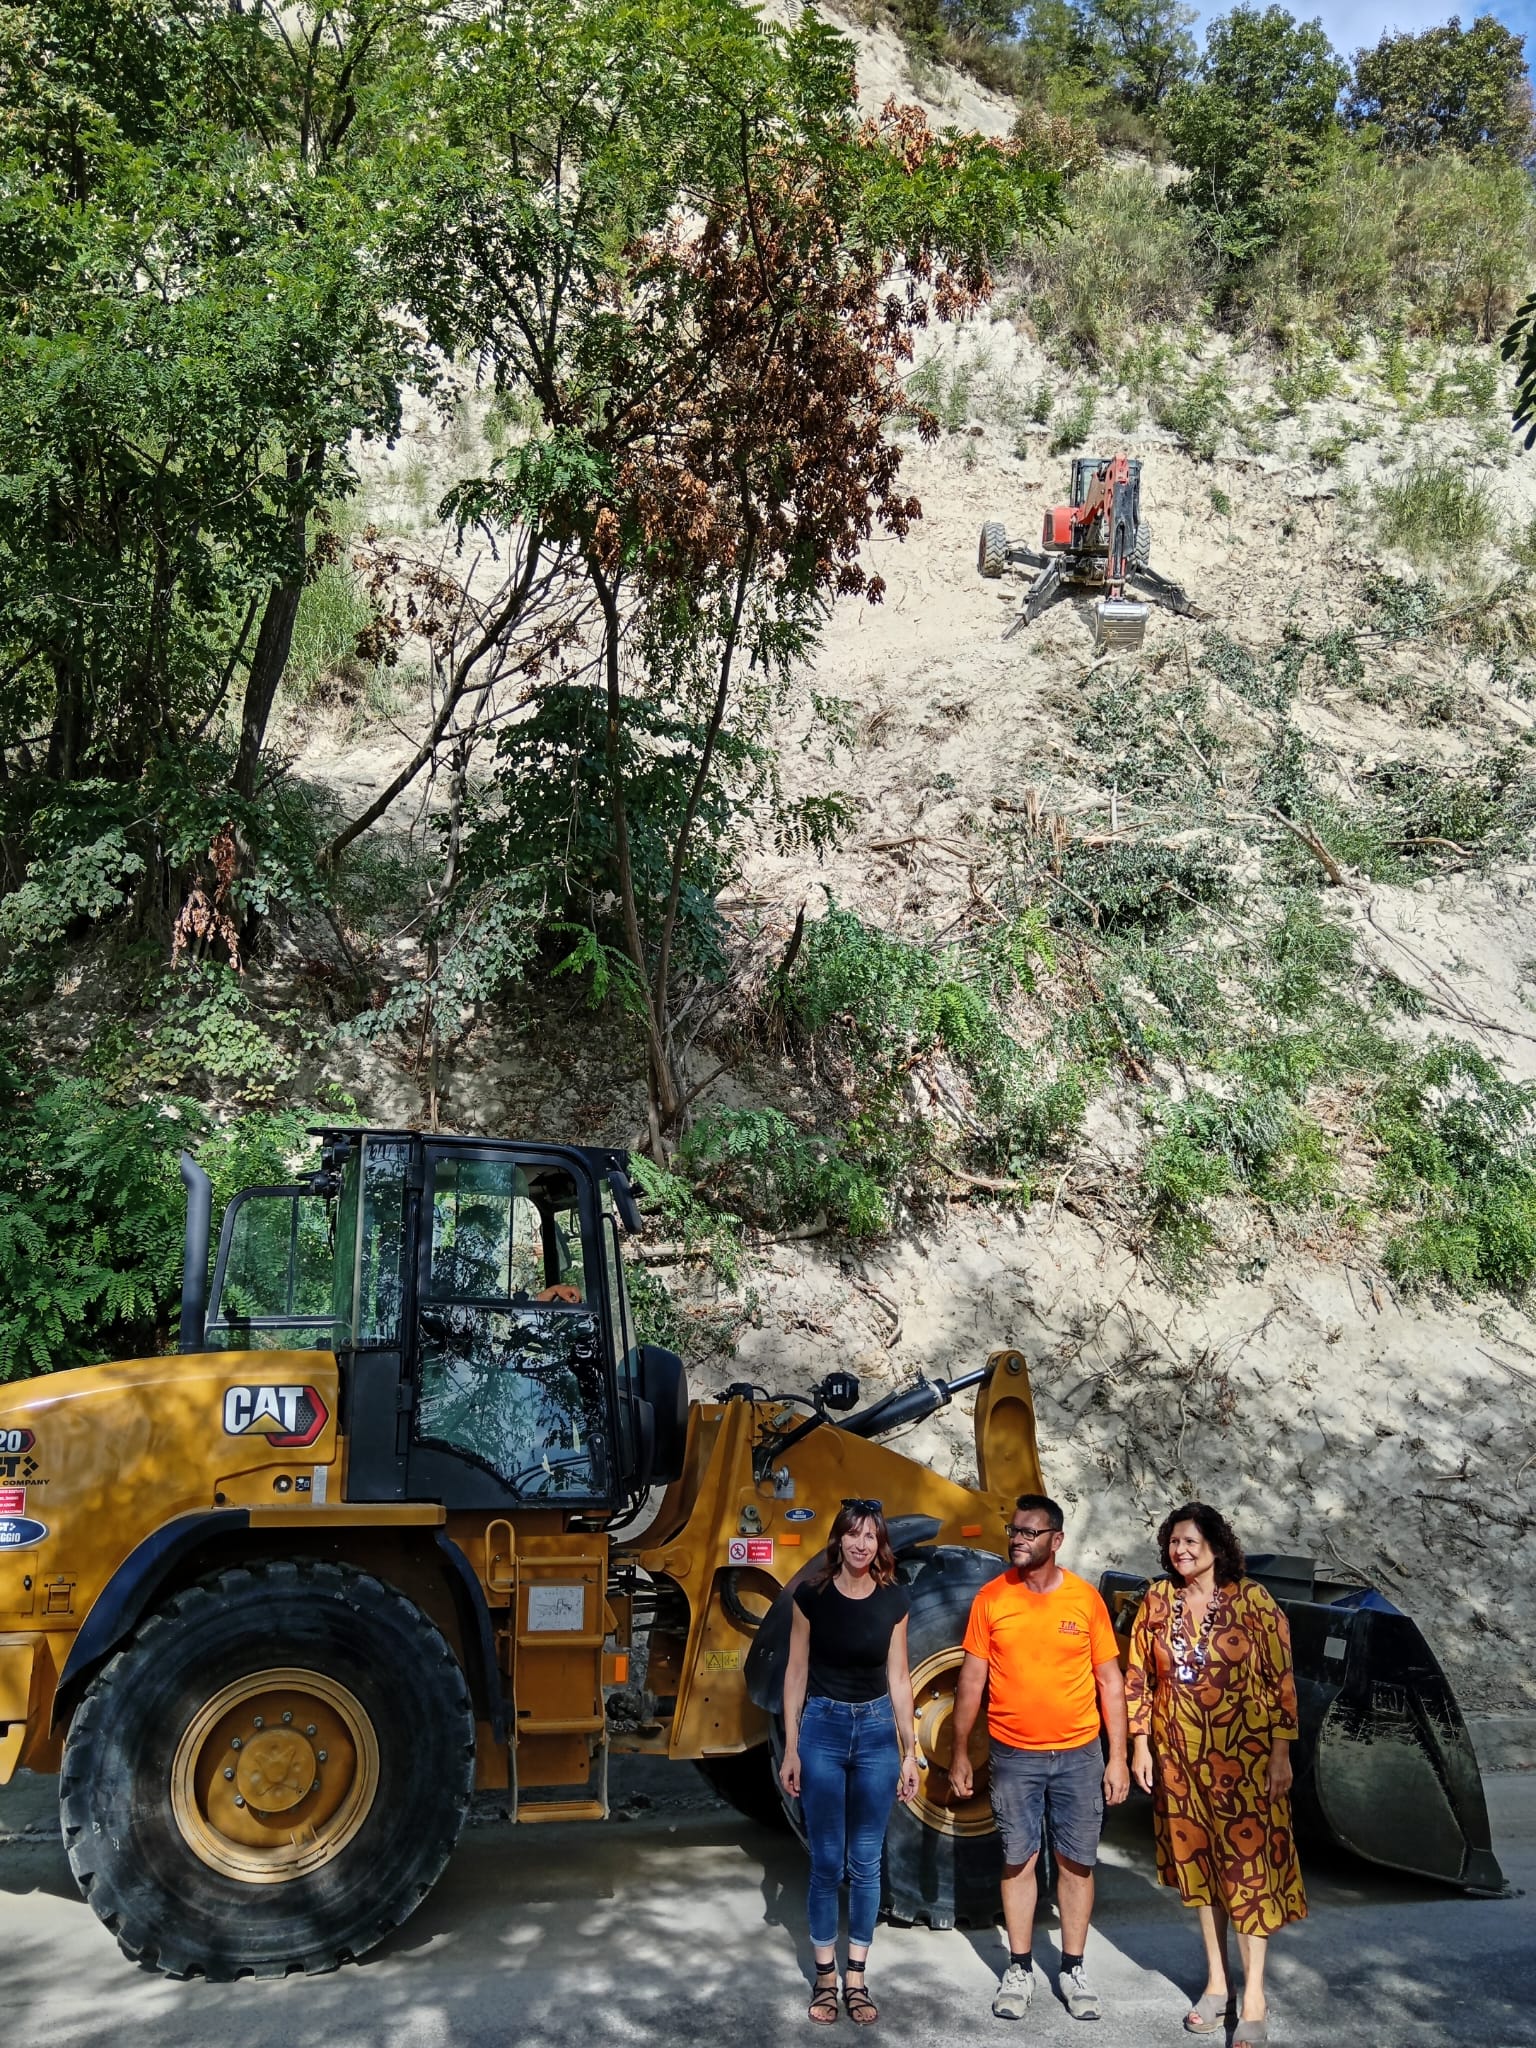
(688, 1925)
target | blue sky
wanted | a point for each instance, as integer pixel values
(1354, 24)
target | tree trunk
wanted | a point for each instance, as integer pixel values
(666, 1097)
(275, 638)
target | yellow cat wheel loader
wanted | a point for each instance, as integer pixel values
(391, 1526)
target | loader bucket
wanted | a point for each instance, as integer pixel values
(1385, 1767)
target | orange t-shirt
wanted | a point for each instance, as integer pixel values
(1040, 1650)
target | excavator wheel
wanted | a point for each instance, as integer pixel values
(992, 550)
(271, 1774)
(943, 1862)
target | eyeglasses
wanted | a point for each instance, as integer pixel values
(1030, 1533)
(866, 1507)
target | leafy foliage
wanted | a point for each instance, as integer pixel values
(1456, 1141)
(188, 365)
(681, 283)
(1252, 128)
(1449, 86)
(91, 1212)
(763, 1167)
(922, 1037)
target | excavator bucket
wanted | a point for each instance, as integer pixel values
(1119, 625)
(1385, 1767)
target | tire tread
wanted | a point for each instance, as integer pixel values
(169, 1952)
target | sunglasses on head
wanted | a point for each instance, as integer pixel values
(866, 1507)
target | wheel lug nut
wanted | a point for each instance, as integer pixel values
(315, 1787)
(228, 1771)
(320, 1753)
(310, 1729)
(259, 1722)
(236, 1743)
(286, 1719)
(238, 1800)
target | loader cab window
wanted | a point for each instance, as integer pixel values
(276, 1284)
(512, 1359)
(380, 1206)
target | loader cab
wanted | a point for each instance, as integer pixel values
(473, 1293)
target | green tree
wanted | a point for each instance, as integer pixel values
(196, 330)
(1144, 47)
(929, 21)
(1252, 128)
(1450, 87)
(668, 234)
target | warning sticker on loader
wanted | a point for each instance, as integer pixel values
(13, 1500)
(749, 1550)
(721, 1660)
(284, 1415)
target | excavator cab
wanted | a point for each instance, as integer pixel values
(472, 1292)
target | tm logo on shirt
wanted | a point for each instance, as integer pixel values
(1070, 1628)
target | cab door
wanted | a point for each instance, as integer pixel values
(511, 1393)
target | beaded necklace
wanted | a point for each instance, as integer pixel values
(1190, 1655)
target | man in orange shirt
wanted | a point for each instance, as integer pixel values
(1041, 1645)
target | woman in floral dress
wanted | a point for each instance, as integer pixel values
(1212, 1700)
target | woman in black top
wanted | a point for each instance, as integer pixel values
(850, 1745)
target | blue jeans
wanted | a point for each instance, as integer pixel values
(849, 1766)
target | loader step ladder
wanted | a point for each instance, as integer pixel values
(553, 1655)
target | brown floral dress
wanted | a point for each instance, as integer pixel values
(1211, 1700)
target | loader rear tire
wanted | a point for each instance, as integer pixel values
(748, 1781)
(271, 1775)
(943, 1863)
(1141, 547)
(992, 549)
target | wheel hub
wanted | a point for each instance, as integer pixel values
(275, 1775)
(276, 1771)
(933, 1698)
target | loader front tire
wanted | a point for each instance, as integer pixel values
(1141, 547)
(270, 1775)
(943, 1863)
(992, 549)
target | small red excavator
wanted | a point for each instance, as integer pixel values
(1099, 539)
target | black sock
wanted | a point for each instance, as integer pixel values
(1024, 1962)
(1069, 1962)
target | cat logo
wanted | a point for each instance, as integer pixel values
(289, 1416)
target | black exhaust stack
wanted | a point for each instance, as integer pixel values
(194, 1262)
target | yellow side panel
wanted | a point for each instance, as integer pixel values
(102, 1457)
(16, 1660)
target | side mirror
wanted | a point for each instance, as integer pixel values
(663, 1388)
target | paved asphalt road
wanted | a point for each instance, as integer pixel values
(686, 1924)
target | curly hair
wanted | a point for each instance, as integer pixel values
(1217, 1531)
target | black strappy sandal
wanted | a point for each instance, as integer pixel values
(862, 2009)
(823, 2009)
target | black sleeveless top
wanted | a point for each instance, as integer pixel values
(850, 1639)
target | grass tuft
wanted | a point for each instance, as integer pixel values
(1437, 512)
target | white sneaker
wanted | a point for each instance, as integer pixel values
(1013, 1994)
(1082, 1999)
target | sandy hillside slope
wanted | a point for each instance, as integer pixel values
(1390, 1435)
